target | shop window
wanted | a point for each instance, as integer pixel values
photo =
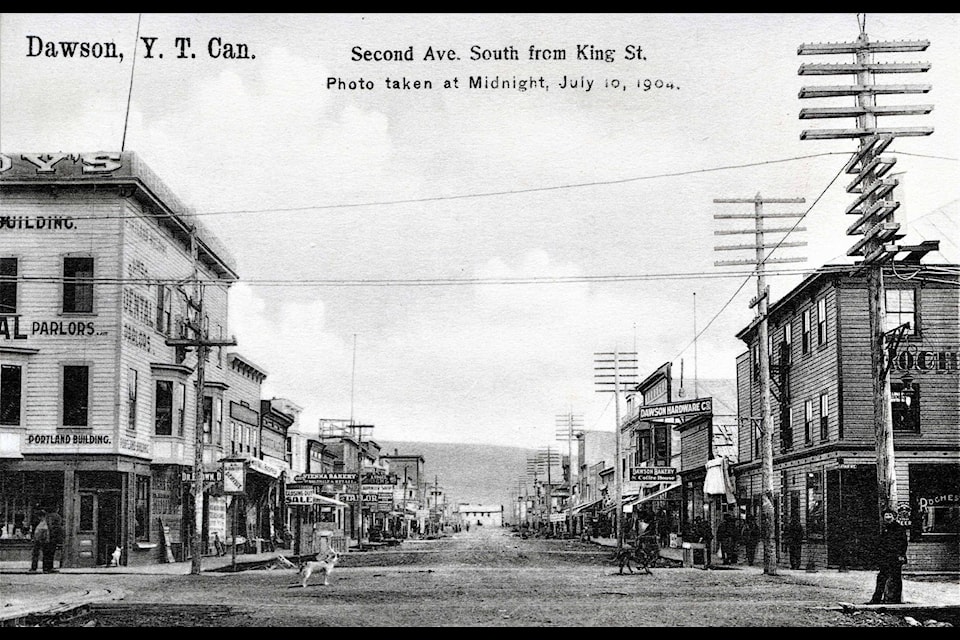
(644, 445)
(901, 308)
(76, 395)
(805, 330)
(142, 509)
(11, 390)
(815, 511)
(8, 286)
(935, 499)
(824, 416)
(77, 285)
(21, 493)
(822, 321)
(661, 446)
(905, 405)
(163, 402)
(808, 421)
(132, 399)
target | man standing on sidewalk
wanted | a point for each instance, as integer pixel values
(55, 537)
(892, 555)
(39, 536)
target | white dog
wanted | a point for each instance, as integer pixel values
(115, 558)
(322, 565)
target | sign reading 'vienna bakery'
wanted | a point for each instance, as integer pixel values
(700, 406)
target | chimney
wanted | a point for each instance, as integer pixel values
(395, 452)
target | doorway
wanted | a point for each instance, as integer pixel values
(98, 526)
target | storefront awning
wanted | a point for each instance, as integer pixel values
(653, 496)
(330, 502)
(586, 506)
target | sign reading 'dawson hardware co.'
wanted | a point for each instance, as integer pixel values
(700, 406)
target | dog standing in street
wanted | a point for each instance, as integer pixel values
(322, 565)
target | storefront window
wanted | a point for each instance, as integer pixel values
(935, 499)
(21, 495)
(142, 509)
(815, 520)
(76, 394)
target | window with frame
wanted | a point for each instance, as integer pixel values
(142, 509)
(786, 428)
(207, 419)
(822, 321)
(787, 343)
(218, 419)
(163, 407)
(934, 500)
(77, 284)
(815, 510)
(76, 395)
(132, 399)
(11, 393)
(164, 308)
(661, 446)
(181, 407)
(8, 286)
(805, 330)
(901, 308)
(824, 416)
(905, 406)
(808, 421)
(644, 445)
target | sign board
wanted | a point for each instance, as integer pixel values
(233, 477)
(352, 497)
(325, 478)
(697, 407)
(653, 474)
(557, 517)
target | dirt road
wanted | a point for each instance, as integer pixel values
(487, 577)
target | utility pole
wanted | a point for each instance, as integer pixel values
(762, 302)
(623, 380)
(568, 426)
(359, 430)
(201, 343)
(874, 205)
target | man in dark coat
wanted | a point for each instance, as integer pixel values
(891, 555)
(55, 525)
(728, 535)
(793, 536)
(751, 536)
(704, 534)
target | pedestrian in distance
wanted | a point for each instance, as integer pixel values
(728, 535)
(751, 537)
(39, 537)
(793, 536)
(891, 555)
(54, 539)
(704, 534)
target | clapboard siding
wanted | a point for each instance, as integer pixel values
(744, 409)
(40, 252)
(695, 448)
(124, 243)
(939, 390)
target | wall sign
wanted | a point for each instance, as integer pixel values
(700, 406)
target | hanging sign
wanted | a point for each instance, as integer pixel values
(233, 477)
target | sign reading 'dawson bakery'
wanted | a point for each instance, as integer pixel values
(699, 406)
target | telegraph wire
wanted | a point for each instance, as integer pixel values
(465, 196)
(770, 253)
(126, 118)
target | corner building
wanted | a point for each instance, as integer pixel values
(97, 413)
(823, 426)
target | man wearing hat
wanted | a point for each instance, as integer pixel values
(892, 555)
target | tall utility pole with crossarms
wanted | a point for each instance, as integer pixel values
(874, 204)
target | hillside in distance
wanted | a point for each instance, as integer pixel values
(474, 473)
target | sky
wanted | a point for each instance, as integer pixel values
(380, 232)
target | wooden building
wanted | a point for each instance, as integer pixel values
(97, 412)
(824, 443)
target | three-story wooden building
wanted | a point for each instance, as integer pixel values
(823, 425)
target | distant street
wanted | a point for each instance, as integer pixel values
(485, 577)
